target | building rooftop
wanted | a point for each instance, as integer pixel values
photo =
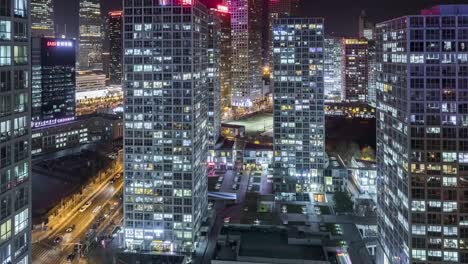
(445, 10)
(335, 162)
(267, 243)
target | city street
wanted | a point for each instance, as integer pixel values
(49, 251)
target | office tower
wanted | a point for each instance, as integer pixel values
(53, 81)
(165, 109)
(115, 46)
(213, 82)
(225, 56)
(91, 37)
(246, 18)
(355, 69)
(42, 18)
(367, 31)
(15, 137)
(366, 27)
(299, 126)
(333, 66)
(276, 9)
(422, 136)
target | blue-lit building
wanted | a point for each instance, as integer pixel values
(422, 136)
(53, 81)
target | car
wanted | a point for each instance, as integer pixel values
(71, 257)
(220, 179)
(217, 186)
(70, 229)
(235, 186)
(210, 205)
(97, 209)
(227, 220)
(111, 181)
(88, 203)
(118, 175)
(57, 240)
(236, 179)
(246, 209)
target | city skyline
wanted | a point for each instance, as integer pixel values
(234, 131)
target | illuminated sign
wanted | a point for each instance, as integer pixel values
(115, 13)
(59, 43)
(187, 2)
(51, 122)
(223, 9)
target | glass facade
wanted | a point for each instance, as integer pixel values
(355, 69)
(422, 136)
(42, 18)
(299, 129)
(91, 37)
(53, 81)
(15, 137)
(246, 17)
(165, 123)
(115, 42)
(333, 69)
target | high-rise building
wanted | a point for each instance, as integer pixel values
(333, 69)
(53, 81)
(367, 31)
(247, 62)
(213, 83)
(299, 122)
(422, 136)
(91, 36)
(115, 47)
(366, 27)
(42, 18)
(276, 9)
(15, 136)
(355, 69)
(165, 137)
(225, 56)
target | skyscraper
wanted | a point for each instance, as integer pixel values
(165, 137)
(115, 43)
(246, 18)
(53, 81)
(91, 37)
(214, 89)
(15, 155)
(355, 69)
(333, 69)
(42, 18)
(225, 56)
(299, 126)
(422, 136)
(367, 31)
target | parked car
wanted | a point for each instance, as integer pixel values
(71, 257)
(57, 240)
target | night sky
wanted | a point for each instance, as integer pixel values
(340, 15)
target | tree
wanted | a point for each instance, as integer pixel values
(368, 153)
(343, 202)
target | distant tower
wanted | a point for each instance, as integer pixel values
(355, 69)
(53, 81)
(91, 37)
(247, 62)
(115, 43)
(333, 68)
(42, 18)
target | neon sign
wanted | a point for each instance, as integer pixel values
(223, 9)
(186, 2)
(59, 44)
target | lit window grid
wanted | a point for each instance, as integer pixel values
(298, 96)
(176, 165)
(421, 132)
